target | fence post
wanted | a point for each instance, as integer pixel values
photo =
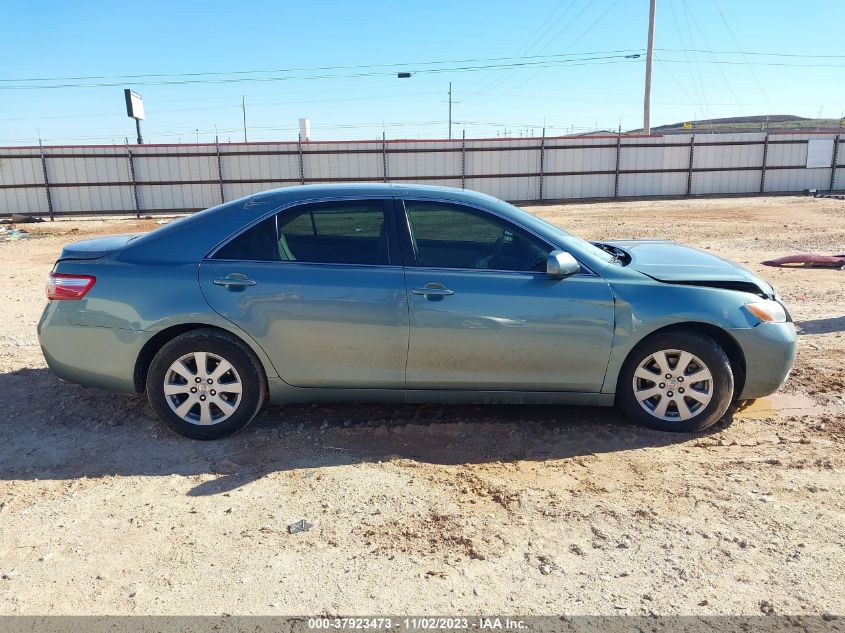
(47, 180)
(618, 160)
(691, 159)
(384, 155)
(463, 159)
(301, 165)
(131, 160)
(765, 161)
(542, 162)
(835, 160)
(219, 170)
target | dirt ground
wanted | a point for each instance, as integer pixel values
(437, 509)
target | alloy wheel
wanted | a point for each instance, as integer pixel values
(673, 385)
(202, 388)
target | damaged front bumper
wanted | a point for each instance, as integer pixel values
(769, 350)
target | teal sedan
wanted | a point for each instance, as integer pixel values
(390, 293)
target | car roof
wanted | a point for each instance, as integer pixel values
(303, 192)
(207, 228)
(190, 238)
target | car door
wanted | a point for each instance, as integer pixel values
(320, 287)
(485, 315)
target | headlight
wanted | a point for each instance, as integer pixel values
(770, 311)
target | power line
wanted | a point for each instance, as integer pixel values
(698, 87)
(232, 106)
(315, 68)
(571, 44)
(758, 53)
(507, 76)
(726, 62)
(485, 67)
(494, 63)
(739, 48)
(576, 40)
(528, 45)
(688, 10)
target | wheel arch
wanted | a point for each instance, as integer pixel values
(161, 338)
(728, 343)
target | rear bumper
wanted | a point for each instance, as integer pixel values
(769, 350)
(92, 356)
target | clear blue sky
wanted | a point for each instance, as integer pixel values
(114, 39)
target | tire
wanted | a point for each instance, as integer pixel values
(206, 403)
(690, 405)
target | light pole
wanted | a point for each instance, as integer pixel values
(407, 75)
(243, 107)
(648, 59)
(450, 110)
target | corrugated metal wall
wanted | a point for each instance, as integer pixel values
(157, 178)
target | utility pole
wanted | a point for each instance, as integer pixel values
(243, 107)
(450, 110)
(648, 59)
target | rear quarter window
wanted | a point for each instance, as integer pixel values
(257, 243)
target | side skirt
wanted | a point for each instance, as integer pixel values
(282, 393)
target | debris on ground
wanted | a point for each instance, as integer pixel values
(809, 260)
(19, 218)
(12, 235)
(303, 525)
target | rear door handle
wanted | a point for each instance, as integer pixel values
(433, 290)
(234, 280)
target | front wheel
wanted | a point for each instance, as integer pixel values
(205, 384)
(676, 381)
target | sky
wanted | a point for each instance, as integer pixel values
(515, 67)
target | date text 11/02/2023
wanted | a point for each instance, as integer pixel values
(417, 623)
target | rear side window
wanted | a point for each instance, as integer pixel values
(255, 244)
(334, 233)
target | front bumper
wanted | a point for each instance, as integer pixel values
(92, 356)
(769, 350)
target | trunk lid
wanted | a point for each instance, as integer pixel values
(96, 248)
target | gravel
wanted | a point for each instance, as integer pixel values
(436, 509)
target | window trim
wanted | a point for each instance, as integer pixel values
(393, 257)
(409, 252)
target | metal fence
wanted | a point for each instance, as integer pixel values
(140, 179)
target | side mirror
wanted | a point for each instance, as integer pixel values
(561, 264)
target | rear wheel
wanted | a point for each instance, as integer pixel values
(676, 381)
(205, 384)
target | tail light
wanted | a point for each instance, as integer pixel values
(61, 286)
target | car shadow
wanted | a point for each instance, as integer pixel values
(821, 326)
(53, 430)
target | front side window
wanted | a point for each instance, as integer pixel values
(451, 236)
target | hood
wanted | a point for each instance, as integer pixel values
(94, 249)
(670, 262)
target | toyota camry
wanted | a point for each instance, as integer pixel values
(391, 293)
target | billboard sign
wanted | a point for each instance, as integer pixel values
(134, 105)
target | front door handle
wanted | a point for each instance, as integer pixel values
(433, 290)
(234, 280)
